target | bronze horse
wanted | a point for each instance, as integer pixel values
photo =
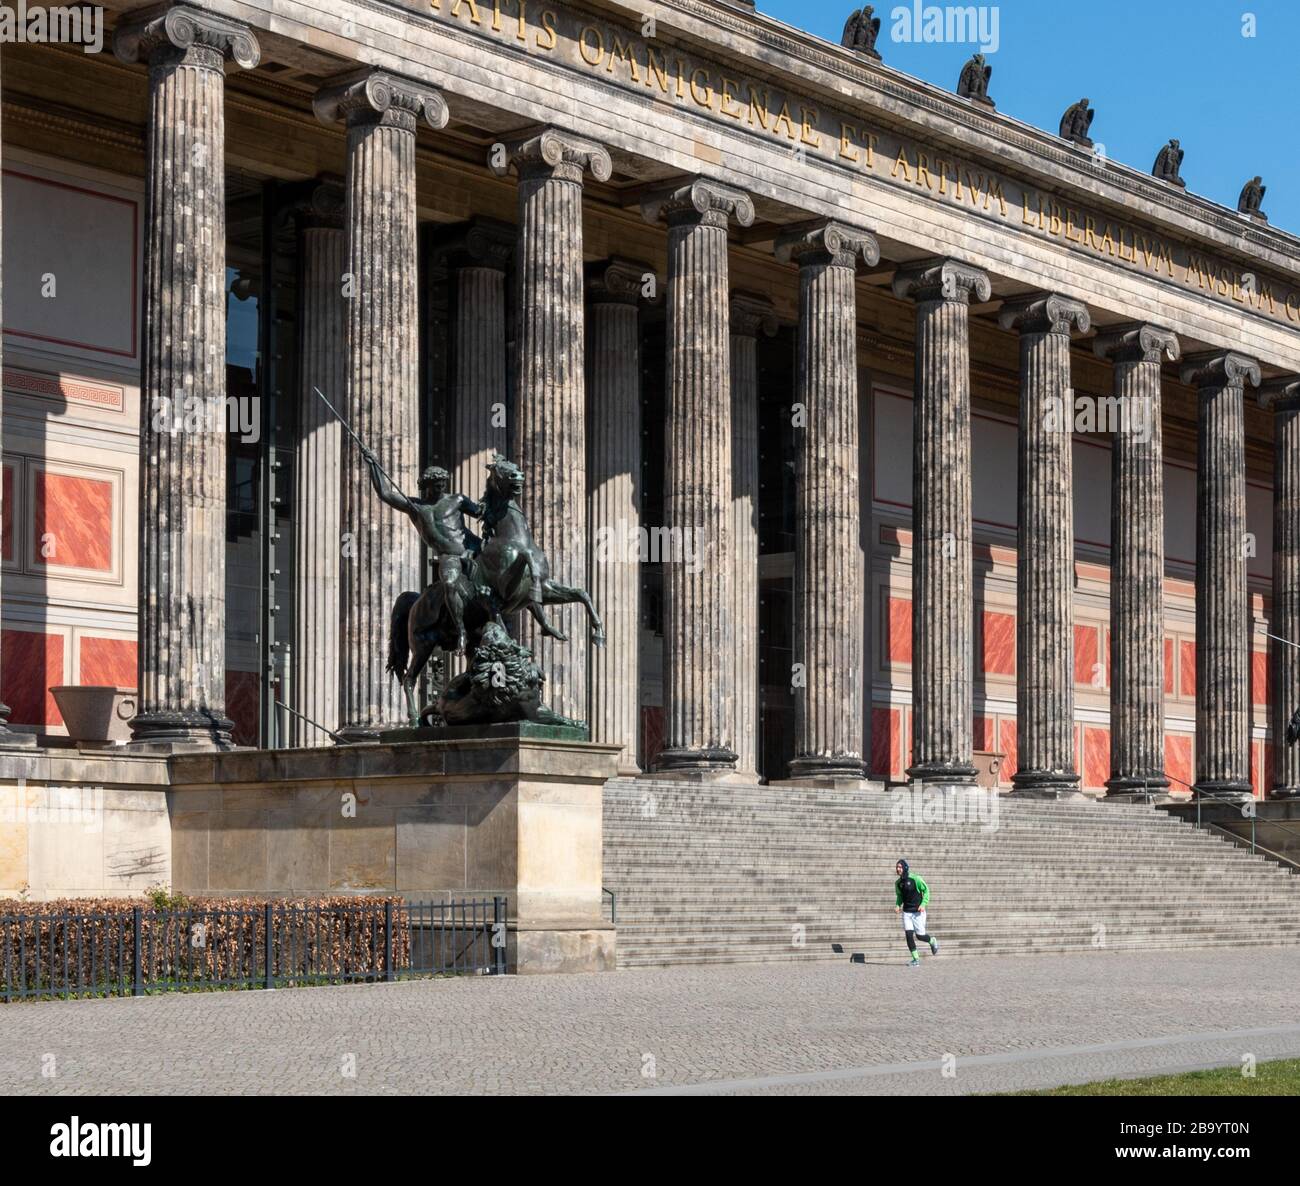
(510, 573)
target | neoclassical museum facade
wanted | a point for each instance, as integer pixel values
(884, 429)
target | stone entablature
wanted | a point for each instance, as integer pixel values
(1229, 285)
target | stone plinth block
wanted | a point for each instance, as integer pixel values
(515, 816)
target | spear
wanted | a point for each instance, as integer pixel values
(360, 444)
(1292, 729)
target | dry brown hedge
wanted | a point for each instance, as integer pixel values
(88, 945)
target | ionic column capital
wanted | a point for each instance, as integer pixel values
(553, 154)
(1136, 342)
(698, 202)
(1281, 395)
(825, 241)
(942, 280)
(1044, 313)
(375, 96)
(617, 281)
(1220, 368)
(751, 315)
(319, 203)
(479, 243)
(166, 33)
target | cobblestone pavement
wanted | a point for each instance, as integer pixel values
(999, 1024)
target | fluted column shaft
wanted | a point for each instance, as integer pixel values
(1284, 399)
(829, 603)
(480, 254)
(1045, 544)
(698, 608)
(614, 499)
(1222, 602)
(549, 420)
(1137, 560)
(314, 682)
(942, 562)
(381, 547)
(6, 737)
(182, 618)
(750, 316)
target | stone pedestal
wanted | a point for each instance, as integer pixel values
(1283, 397)
(444, 820)
(550, 413)
(1222, 602)
(317, 546)
(1045, 544)
(182, 612)
(380, 547)
(614, 499)
(829, 601)
(751, 315)
(1137, 559)
(698, 630)
(942, 561)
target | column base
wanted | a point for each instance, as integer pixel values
(954, 773)
(828, 783)
(803, 768)
(362, 734)
(168, 731)
(1284, 793)
(1223, 791)
(1045, 784)
(11, 740)
(1134, 789)
(702, 763)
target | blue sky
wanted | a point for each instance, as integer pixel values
(1154, 69)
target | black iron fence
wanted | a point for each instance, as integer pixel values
(276, 945)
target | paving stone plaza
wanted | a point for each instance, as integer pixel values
(838, 1028)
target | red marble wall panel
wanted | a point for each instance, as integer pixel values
(654, 728)
(30, 664)
(108, 662)
(1178, 760)
(898, 647)
(1007, 736)
(6, 512)
(1187, 668)
(887, 760)
(1086, 655)
(1260, 690)
(1169, 666)
(242, 696)
(983, 732)
(998, 643)
(77, 516)
(1096, 756)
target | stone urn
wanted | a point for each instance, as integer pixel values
(94, 713)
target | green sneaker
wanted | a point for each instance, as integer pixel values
(915, 961)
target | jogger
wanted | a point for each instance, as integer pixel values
(911, 895)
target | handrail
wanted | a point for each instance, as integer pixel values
(1256, 848)
(613, 904)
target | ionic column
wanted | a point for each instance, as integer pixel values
(698, 633)
(1137, 561)
(7, 737)
(942, 561)
(829, 602)
(1222, 603)
(381, 550)
(1045, 544)
(549, 422)
(614, 498)
(750, 316)
(318, 547)
(182, 611)
(1283, 396)
(479, 254)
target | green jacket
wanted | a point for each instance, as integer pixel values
(922, 888)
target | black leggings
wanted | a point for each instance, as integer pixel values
(911, 940)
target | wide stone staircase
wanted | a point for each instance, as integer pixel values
(730, 873)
